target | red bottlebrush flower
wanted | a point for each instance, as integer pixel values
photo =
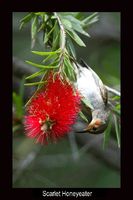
(52, 111)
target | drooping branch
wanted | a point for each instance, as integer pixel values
(62, 40)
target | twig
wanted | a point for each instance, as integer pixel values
(23, 164)
(63, 42)
(113, 91)
(92, 144)
(74, 146)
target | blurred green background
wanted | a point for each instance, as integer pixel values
(70, 162)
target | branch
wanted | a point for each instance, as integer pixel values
(24, 163)
(113, 91)
(63, 41)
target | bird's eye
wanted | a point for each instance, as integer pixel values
(94, 128)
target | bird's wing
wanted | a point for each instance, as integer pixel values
(99, 83)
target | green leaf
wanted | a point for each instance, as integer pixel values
(69, 69)
(41, 27)
(52, 56)
(116, 111)
(44, 74)
(75, 24)
(46, 38)
(72, 19)
(17, 100)
(76, 38)
(26, 19)
(42, 53)
(118, 106)
(70, 47)
(90, 19)
(116, 98)
(56, 36)
(34, 30)
(40, 14)
(107, 133)
(36, 83)
(41, 66)
(62, 14)
(34, 27)
(66, 23)
(35, 74)
(83, 116)
(80, 16)
(87, 103)
(79, 29)
(21, 90)
(117, 130)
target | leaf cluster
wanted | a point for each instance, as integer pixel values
(115, 118)
(60, 32)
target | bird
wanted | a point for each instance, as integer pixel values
(92, 89)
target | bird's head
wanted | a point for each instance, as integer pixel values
(96, 126)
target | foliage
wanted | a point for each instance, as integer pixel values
(54, 165)
(60, 33)
(18, 105)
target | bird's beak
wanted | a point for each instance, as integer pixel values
(94, 122)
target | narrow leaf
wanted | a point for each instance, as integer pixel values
(41, 66)
(87, 103)
(83, 116)
(74, 24)
(17, 100)
(76, 38)
(118, 106)
(90, 19)
(71, 47)
(34, 27)
(45, 39)
(117, 130)
(21, 90)
(116, 98)
(66, 23)
(52, 56)
(70, 70)
(107, 133)
(40, 14)
(26, 19)
(35, 74)
(36, 83)
(42, 53)
(56, 36)
(41, 27)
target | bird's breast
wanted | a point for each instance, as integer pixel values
(89, 89)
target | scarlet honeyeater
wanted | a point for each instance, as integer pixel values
(52, 111)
